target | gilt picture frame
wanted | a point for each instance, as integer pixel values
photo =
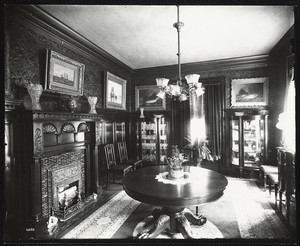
(145, 97)
(115, 92)
(63, 74)
(250, 92)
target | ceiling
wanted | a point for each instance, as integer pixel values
(143, 35)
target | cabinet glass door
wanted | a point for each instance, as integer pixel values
(253, 142)
(152, 140)
(148, 140)
(163, 144)
(120, 131)
(235, 142)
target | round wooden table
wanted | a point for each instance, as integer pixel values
(151, 185)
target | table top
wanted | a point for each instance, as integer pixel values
(206, 186)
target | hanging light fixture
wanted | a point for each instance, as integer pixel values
(182, 88)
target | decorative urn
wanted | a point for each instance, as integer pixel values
(71, 104)
(35, 91)
(92, 101)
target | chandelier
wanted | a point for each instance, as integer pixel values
(182, 88)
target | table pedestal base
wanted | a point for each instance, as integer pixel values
(173, 220)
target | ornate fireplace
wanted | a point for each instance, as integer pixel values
(65, 151)
(63, 185)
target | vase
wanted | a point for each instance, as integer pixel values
(142, 113)
(35, 91)
(92, 101)
(176, 173)
(71, 105)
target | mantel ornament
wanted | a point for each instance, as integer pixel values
(71, 104)
(35, 91)
(92, 101)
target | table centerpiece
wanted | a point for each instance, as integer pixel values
(175, 164)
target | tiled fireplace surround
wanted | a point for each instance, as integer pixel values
(59, 171)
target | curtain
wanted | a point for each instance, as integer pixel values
(287, 119)
(214, 105)
(179, 122)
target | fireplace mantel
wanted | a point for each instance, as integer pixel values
(52, 140)
(41, 115)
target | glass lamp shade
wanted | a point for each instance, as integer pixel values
(175, 90)
(161, 94)
(199, 90)
(162, 82)
(183, 97)
(192, 79)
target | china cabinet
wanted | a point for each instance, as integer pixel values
(152, 139)
(248, 138)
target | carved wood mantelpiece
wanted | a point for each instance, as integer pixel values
(37, 115)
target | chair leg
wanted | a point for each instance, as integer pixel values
(280, 200)
(107, 177)
(276, 192)
(288, 208)
(265, 181)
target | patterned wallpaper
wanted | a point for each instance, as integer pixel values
(227, 74)
(26, 44)
(28, 57)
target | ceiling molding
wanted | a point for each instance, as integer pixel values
(209, 66)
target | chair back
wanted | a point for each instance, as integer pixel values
(123, 155)
(290, 174)
(281, 160)
(110, 155)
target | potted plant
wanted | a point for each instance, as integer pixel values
(175, 163)
(198, 150)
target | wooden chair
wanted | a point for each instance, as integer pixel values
(123, 156)
(281, 161)
(270, 177)
(290, 186)
(111, 164)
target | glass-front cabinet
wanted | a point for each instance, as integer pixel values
(248, 136)
(152, 139)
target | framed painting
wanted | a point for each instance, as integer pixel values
(115, 92)
(145, 97)
(64, 75)
(249, 92)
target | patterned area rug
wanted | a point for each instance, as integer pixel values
(105, 221)
(255, 217)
